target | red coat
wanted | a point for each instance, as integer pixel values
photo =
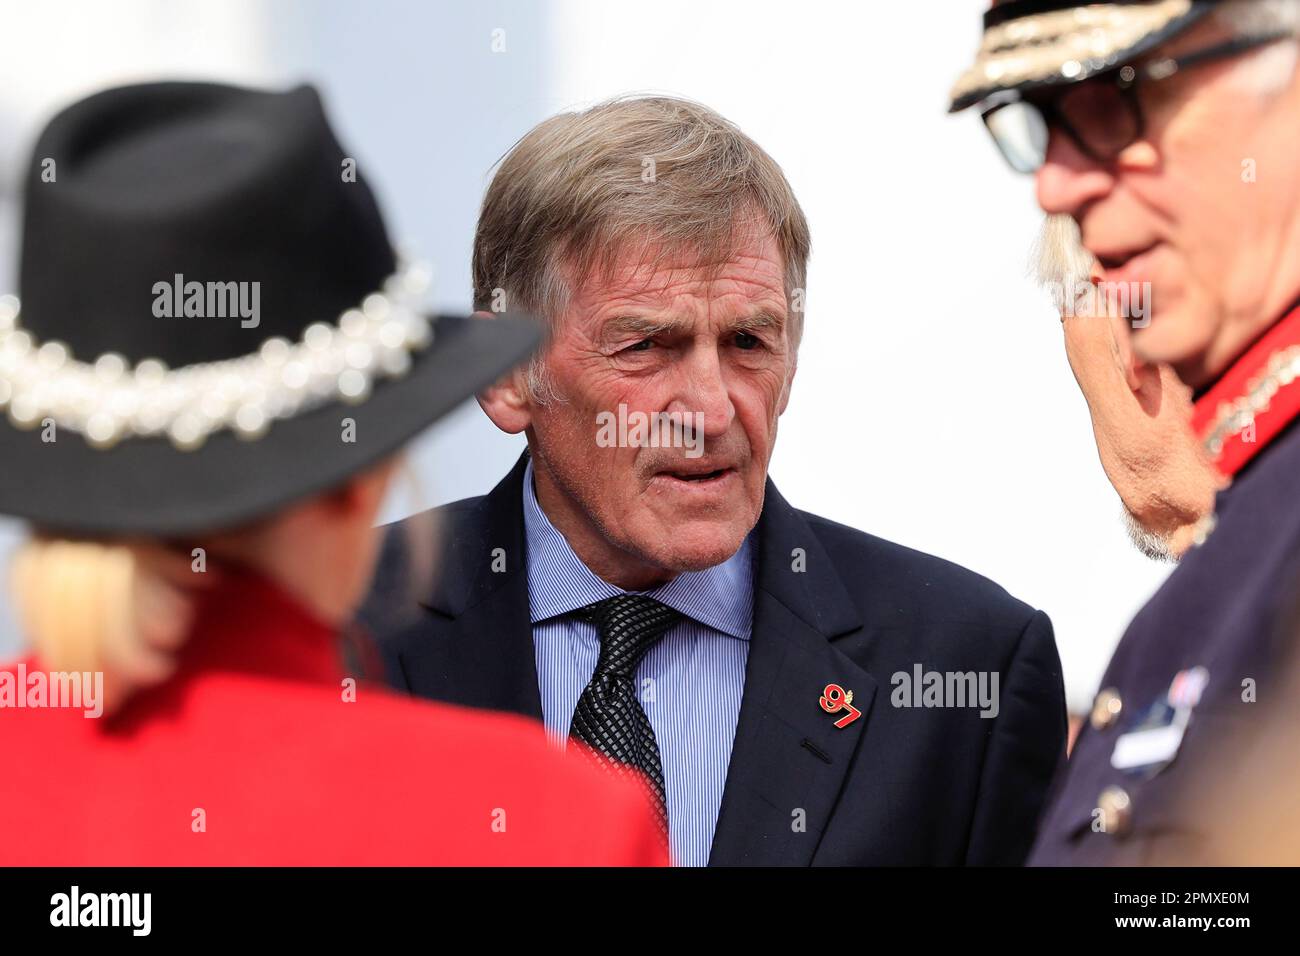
(253, 732)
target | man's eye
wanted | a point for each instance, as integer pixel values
(747, 341)
(642, 346)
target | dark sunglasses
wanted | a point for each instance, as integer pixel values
(1102, 115)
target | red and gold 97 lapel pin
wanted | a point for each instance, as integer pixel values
(834, 699)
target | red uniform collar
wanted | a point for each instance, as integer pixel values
(247, 623)
(1257, 397)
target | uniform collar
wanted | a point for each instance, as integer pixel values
(720, 597)
(1255, 399)
(247, 623)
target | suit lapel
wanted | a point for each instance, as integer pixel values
(475, 647)
(789, 761)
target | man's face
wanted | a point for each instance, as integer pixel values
(707, 343)
(1206, 207)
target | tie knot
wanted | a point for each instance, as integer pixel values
(628, 624)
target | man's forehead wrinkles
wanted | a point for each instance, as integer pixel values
(685, 294)
(647, 281)
(642, 263)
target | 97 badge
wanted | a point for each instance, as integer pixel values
(834, 699)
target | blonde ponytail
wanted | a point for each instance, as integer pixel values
(88, 606)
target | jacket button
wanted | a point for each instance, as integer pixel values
(1116, 811)
(1106, 708)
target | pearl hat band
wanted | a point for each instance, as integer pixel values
(106, 401)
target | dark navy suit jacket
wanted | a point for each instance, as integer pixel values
(901, 785)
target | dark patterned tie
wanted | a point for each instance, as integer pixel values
(609, 718)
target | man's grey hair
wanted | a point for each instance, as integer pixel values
(649, 175)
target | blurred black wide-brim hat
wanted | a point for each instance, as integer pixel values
(1033, 44)
(144, 393)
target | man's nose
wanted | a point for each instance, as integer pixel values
(1069, 179)
(704, 390)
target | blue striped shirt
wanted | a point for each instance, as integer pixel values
(690, 681)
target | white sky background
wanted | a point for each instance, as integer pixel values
(933, 406)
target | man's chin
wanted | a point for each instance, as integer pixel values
(696, 545)
(1177, 337)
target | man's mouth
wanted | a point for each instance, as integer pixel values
(1123, 265)
(698, 481)
(696, 475)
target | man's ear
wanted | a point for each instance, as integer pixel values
(506, 402)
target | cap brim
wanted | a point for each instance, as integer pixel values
(1134, 30)
(146, 486)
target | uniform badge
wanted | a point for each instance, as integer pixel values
(1151, 745)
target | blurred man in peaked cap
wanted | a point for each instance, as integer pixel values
(1168, 132)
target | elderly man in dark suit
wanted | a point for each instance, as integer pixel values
(791, 691)
(1168, 132)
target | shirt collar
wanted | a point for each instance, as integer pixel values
(720, 597)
